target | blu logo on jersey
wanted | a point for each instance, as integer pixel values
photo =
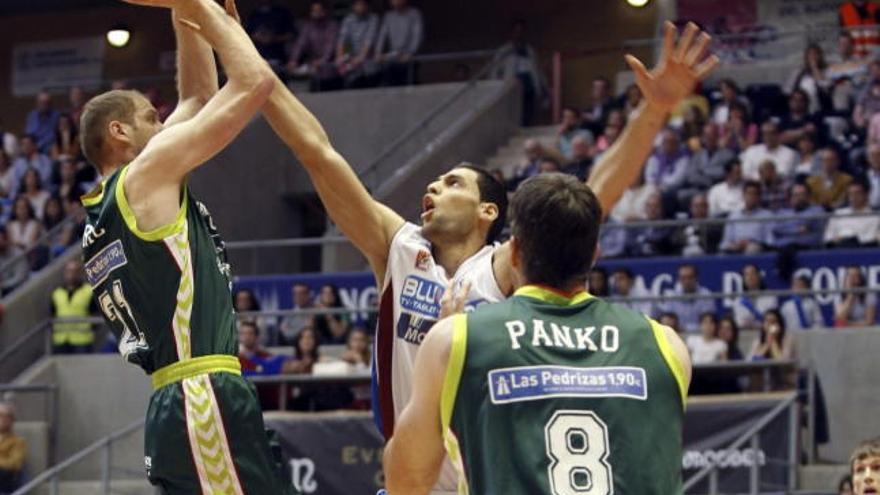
(421, 296)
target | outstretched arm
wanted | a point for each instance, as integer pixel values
(196, 72)
(681, 67)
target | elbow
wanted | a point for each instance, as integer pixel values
(263, 83)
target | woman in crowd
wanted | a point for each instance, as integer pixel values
(775, 342)
(855, 309)
(738, 132)
(23, 229)
(811, 77)
(358, 355)
(66, 141)
(32, 189)
(69, 186)
(246, 301)
(333, 328)
(748, 310)
(52, 217)
(729, 333)
(598, 282)
(707, 347)
(306, 352)
(7, 176)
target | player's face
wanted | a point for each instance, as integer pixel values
(866, 475)
(146, 124)
(451, 206)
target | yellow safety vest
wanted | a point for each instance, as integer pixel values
(68, 305)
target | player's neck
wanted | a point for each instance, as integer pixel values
(451, 254)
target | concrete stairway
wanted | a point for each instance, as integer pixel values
(511, 154)
(821, 477)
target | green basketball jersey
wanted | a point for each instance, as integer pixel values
(549, 395)
(166, 293)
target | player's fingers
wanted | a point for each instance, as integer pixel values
(639, 69)
(696, 51)
(684, 43)
(669, 32)
(461, 297)
(190, 24)
(707, 66)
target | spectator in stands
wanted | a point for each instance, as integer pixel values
(872, 176)
(623, 286)
(68, 186)
(671, 320)
(596, 116)
(861, 231)
(856, 14)
(707, 348)
(729, 333)
(771, 149)
(867, 105)
(808, 161)
(67, 139)
(518, 60)
(632, 204)
(42, 123)
(864, 465)
(354, 48)
(688, 310)
(73, 299)
(707, 163)
(742, 235)
(15, 273)
(549, 165)
(245, 301)
(801, 311)
(33, 191)
(331, 328)
(597, 282)
(8, 141)
(73, 232)
(271, 28)
(739, 132)
(535, 152)
(797, 233)
(811, 78)
(400, 39)
(727, 197)
(829, 187)
(13, 451)
(799, 121)
(7, 176)
(773, 187)
(697, 239)
(653, 240)
(667, 167)
(632, 97)
(76, 98)
(313, 53)
(254, 359)
(730, 95)
(608, 137)
(693, 108)
(845, 486)
(31, 158)
(291, 325)
(855, 309)
(775, 342)
(23, 229)
(357, 349)
(692, 124)
(749, 308)
(581, 162)
(52, 218)
(307, 352)
(847, 74)
(569, 129)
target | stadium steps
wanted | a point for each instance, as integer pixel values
(821, 477)
(511, 154)
(36, 437)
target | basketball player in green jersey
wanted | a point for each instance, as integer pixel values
(158, 265)
(552, 391)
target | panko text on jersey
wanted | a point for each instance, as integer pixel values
(538, 333)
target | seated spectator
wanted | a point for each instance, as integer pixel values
(707, 164)
(855, 309)
(692, 124)
(313, 53)
(581, 162)
(808, 160)
(697, 239)
(354, 48)
(864, 464)
(73, 299)
(331, 328)
(801, 311)
(16, 273)
(597, 282)
(518, 60)
(549, 165)
(773, 187)
(688, 310)
(667, 167)
(306, 352)
(632, 97)
(569, 129)
(729, 333)
(771, 149)
(608, 137)
(867, 105)
(400, 38)
(847, 74)
(671, 320)
(652, 241)
(245, 301)
(66, 141)
(730, 96)
(596, 116)
(42, 123)
(739, 132)
(796, 233)
(829, 186)
(845, 486)
(52, 218)
(270, 27)
(872, 177)
(23, 229)
(810, 78)
(749, 308)
(612, 239)
(34, 192)
(7, 176)
(799, 122)
(775, 342)
(73, 231)
(692, 110)
(291, 325)
(358, 355)
(254, 359)
(727, 197)
(623, 286)
(8, 140)
(535, 152)
(843, 231)
(741, 235)
(76, 98)
(31, 158)
(707, 348)
(13, 451)
(69, 186)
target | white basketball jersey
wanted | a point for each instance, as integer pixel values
(409, 307)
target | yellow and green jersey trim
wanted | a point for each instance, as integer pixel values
(181, 370)
(454, 369)
(157, 234)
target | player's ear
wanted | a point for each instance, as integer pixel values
(118, 131)
(489, 211)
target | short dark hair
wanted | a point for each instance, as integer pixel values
(100, 110)
(556, 222)
(736, 162)
(691, 266)
(251, 324)
(752, 184)
(491, 191)
(624, 270)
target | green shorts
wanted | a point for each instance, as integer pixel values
(205, 435)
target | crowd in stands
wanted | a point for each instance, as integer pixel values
(13, 450)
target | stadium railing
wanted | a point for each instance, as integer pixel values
(8, 392)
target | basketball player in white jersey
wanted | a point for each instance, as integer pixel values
(463, 213)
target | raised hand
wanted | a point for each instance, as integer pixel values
(453, 302)
(681, 67)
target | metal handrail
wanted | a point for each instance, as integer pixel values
(53, 472)
(51, 393)
(751, 434)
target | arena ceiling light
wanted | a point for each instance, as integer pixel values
(119, 36)
(637, 3)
